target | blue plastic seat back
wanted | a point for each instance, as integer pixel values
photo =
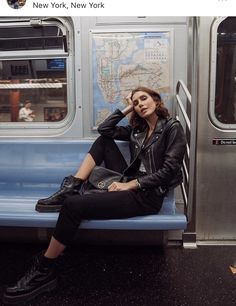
(168, 206)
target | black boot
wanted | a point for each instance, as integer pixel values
(70, 185)
(38, 279)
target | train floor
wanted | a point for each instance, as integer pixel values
(125, 275)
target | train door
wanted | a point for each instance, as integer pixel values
(216, 132)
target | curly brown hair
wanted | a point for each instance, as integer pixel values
(161, 110)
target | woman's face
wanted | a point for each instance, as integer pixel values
(144, 105)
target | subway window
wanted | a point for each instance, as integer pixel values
(33, 72)
(225, 80)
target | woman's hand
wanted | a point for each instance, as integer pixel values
(129, 108)
(128, 99)
(117, 186)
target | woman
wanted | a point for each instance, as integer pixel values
(157, 147)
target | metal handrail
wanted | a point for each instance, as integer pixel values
(185, 170)
(180, 84)
(185, 89)
(180, 106)
(185, 197)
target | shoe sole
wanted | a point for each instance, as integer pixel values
(8, 299)
(47, 208)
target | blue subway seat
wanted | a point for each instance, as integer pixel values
(32, 171)
(19, 211)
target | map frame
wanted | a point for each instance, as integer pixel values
(147, 33)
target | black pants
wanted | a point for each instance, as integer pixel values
(106, 205)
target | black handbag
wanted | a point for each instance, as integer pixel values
(100, 177)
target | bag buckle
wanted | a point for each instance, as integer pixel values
(101, 184)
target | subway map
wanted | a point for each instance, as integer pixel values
(123, 61)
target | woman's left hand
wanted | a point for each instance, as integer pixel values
(117, 186)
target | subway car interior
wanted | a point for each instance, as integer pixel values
(69, 74)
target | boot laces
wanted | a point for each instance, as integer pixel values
(30, 273)
(67, 181)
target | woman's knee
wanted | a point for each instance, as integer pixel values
(104, 140)
(77, 207)
(100, 148)
(71, 204)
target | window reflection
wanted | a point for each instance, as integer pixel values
(40, 82)
(225, 103)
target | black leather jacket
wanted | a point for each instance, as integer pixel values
(162, 155)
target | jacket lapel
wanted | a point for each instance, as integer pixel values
(158, 131)
(140, 137)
